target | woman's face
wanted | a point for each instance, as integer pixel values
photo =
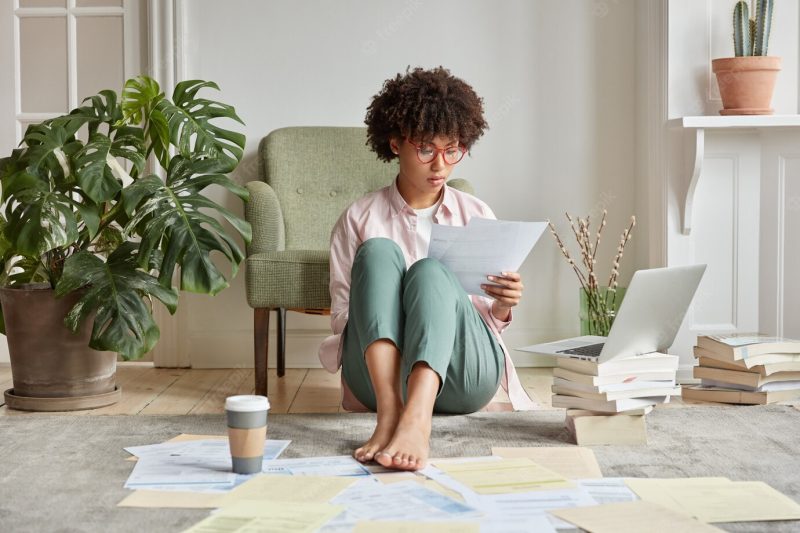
(422, 181)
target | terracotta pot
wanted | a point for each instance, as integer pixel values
(746, 83)
(47, 359)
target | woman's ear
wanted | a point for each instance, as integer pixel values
(394, 145)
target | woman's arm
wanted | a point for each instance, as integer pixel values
(343, 250)
(506, 291)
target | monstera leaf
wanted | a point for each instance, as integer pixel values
(115, 290)
(185, 122)
(50, 144)
(40, 220)
(191, 130)
(103, 109)
(140, 99)
(99, 173)
(168, 217)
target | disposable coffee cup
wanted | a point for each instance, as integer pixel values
(247, 431)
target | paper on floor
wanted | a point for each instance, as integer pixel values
(370, 500)
(212, 449)
(267, 516)
(341, 465)
(198, 465)
(168, 499)
(631, 517)
(504, 476)
(416, 527)
(608, 490)
(281, 488)
(572, 462)
(717, 499)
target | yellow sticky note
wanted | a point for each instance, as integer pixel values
(504, 476)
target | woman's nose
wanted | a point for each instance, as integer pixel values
(438, 162)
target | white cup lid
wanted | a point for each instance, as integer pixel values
(247, 402)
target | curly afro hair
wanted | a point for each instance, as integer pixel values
(421, 105)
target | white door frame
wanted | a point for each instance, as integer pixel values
(165, 44)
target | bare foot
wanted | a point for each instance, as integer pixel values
(409, 447)
(387, 423)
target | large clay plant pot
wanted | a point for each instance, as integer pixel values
(746, 84)
(52, 368)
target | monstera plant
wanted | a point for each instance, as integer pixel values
(87, 211)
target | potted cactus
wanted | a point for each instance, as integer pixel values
(747, 81)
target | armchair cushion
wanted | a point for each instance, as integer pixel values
(289, 278)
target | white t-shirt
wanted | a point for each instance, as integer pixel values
(424, 228)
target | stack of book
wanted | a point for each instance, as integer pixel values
(606, 402)
(748, 368)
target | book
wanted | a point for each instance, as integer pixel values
(586, 412)
(716, 394)
(763, 370)
(615, 387)
(614, 406)
(749, 379)
(752, 361)
(589, 429)
(599, 381)
(746, 345)
(617, 395)
(766, 387)
(650, 362)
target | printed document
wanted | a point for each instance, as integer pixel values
(342, 465)
(483, 247)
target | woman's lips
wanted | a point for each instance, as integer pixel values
(436, 180)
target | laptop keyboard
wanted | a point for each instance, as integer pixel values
(590, 350)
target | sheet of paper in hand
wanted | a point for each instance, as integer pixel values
(483, 247)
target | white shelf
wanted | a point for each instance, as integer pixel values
(737, 121)
(694, 145)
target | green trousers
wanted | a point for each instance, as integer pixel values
(426, 313)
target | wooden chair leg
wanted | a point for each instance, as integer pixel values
(281, 341)
(261, 348)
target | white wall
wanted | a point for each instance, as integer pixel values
(557, 77)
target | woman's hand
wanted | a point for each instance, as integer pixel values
(506, 291)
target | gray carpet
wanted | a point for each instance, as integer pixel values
(66, 473)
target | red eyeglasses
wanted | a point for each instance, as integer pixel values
(427, 152)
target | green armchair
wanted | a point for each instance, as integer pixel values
(308, 177)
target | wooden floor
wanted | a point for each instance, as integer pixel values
(177, 391)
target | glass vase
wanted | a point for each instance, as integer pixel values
(598, 309)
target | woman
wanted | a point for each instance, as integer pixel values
(410, 341)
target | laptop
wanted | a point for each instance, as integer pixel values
(647, 321)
